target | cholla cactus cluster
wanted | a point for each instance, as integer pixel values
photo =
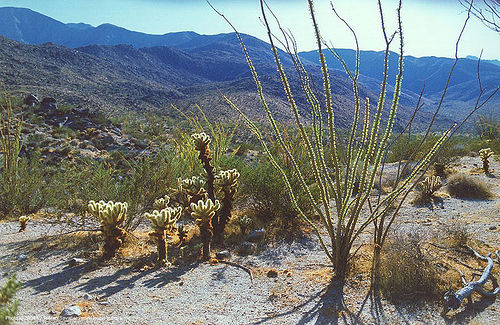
(194, 186)
(204, 211)
(161, 221)
(244, 223)
(485, 154)
(227, 179)
(111, 215)
(228, 182)
(430, 185)
(23, 221)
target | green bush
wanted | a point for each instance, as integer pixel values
(8, 307)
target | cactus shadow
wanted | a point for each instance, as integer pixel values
(469, 311)
(172, 274)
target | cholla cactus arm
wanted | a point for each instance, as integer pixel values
(227, 179)
(164, 219)
(204, 211)
(193, 185)
(201, 140)
(161, 203)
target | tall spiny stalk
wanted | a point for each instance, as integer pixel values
(347, 220)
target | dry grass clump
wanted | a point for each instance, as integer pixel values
(406, 270)
(464, 186)
(456, 236)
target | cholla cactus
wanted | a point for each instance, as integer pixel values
(161, 221)
(228, 182)
(430, 185)
(201, 140)
(23, 221)
(161, 203)
(244, 222)
(8, 306)
(111, 215)
(485, 154)
(194, 187)
(204, 211)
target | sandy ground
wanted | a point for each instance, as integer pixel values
(201, 293)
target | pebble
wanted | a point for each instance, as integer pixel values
(73, 311)
(22, 257)
(256, 235)
(223, 255)
(272, 274)
(75, 261)
(246, 248)
(493, 228)
(88, 296)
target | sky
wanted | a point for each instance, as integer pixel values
(431, 27)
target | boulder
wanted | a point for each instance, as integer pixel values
(246, 248)
(48, 104)
(73, 311)
(223, 255)
(256, 235)
(31, 100)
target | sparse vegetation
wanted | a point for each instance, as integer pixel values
(406, 271)
(427, 188)
(467, 187)
(485, 155)
(23, 221)
(8, 306)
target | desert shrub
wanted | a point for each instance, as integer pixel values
(8, 307)
(456, 236)
(464, 186)
(487, 127)
(405, 269)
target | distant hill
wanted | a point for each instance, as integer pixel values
(109, 66)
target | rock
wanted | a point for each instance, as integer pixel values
(493, 228)
(103, 303)
(272, 274)
(75, 261)
(73, 311)
(31, 100)
(88, 296)
(246, 248)
(223, 255)
(48, 104)
(256, 235)
(22, 257)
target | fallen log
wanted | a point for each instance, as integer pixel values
(453, 300)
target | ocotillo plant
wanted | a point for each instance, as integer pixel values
(111, 215)
(363, 160)
(228, 182)
(203, 212)
(485, 154)
(23, 221)
(161, 221)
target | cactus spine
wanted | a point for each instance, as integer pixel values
(111, 215)
(23, 221)
(161, 221)
(485, 154)
(203, 212)
(228, 182)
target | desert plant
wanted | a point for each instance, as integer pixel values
(194, 188)
(8, 307)
(335, 182)
(23, 221)
(111, 215)
(487, 127)
(485, 154)
(202, 145)
(227, 181)
(244, 222)
(427, 188)
(406, 270)
(10, 146)
(203, 212)
(161, 203)
(464, 186)
(161, 221)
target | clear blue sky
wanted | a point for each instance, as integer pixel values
(431, 26)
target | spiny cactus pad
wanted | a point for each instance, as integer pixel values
(164, 219)
(227, 178)
(204, 211)
(201, 140)
(110, 213)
